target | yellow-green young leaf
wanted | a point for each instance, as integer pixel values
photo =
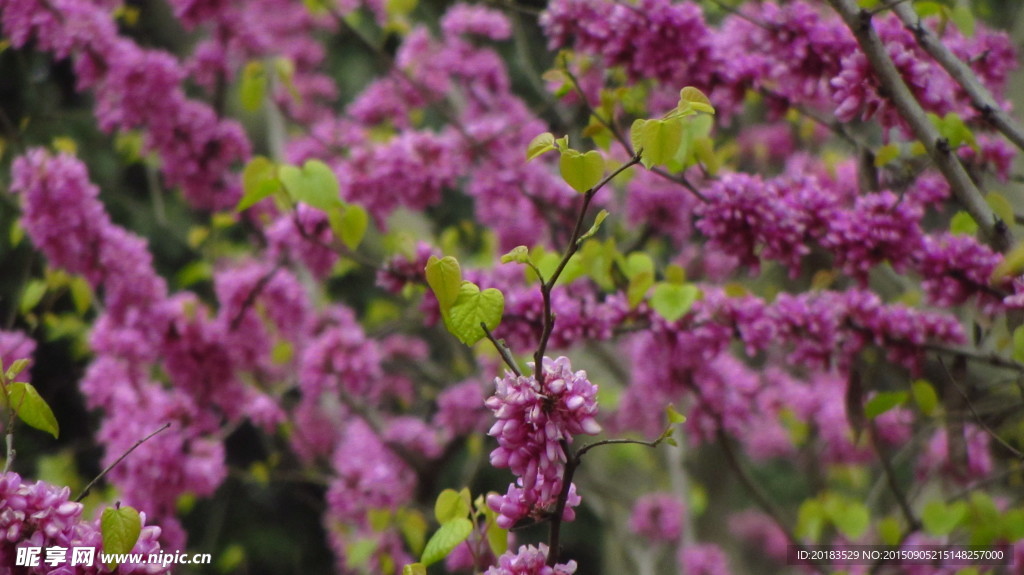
(963, 18)
(472, 308)
(638, 263)
(639, 285)
(16, 367)
(924, 396)
(636, 132)
(81, 294)
(230, 559)
(259, 181)
(447, 537)
(285, 69)
(349, 223)
(940, 519)
(414, 569)
(886, 154)
(497, 538)
(889, 531)
(672, 301)
(400, 8)
(193, 273)
(17, 233)
(314, 184)
(282, 353)
(963, 224)
(451, 504)
(925, 9)
(359, 552)
(414, 529)
(254, 85)
(1012, 264)
(675, 274)
(691, 98)
(444, 276)
(660, 140)
(32, 295)
(32, 408)
(120, 529)
(581, 171)
(541, 144)
(851, 518)
(674, 417)
(1018, 344)
(1001, 206)
(518, 254)
(810, 520)
(594, 228)
(883, 402)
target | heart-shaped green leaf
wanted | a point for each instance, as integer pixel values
(314, 184)
(541, 144)
(518, 254)
(414, 569)
(924, 396)
(851, 518)
(940, 519)
(451, 504)
(472, 308)
(673, 301)
(447, 537)
(259, 181)
(581, 171)
(120, 528)
(254, 85)
(444, 276)
(660, 140)
(32, 408)
(349, 223)
(884, 401)
(691, 98)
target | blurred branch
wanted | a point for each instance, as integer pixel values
(995, 231)
(981, 98)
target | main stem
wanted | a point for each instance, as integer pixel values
(549, 283)
(572, 461)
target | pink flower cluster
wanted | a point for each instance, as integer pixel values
(658, 517)
(529, 560)
(136, 88)
(42, 515)
(536, 424)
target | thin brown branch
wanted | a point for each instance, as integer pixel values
(570, 250)
(623, 141)
(103, 473)
(503, 351)
(977, 416)
(890, 476)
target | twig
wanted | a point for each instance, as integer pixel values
(250, 299)
(981, 98)
(103, 473)
(996, 232)
(973, 355)
(572, 462)
(547, 286)
(503, 350)
(970, 406)
(623, 140)
(890, 476)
